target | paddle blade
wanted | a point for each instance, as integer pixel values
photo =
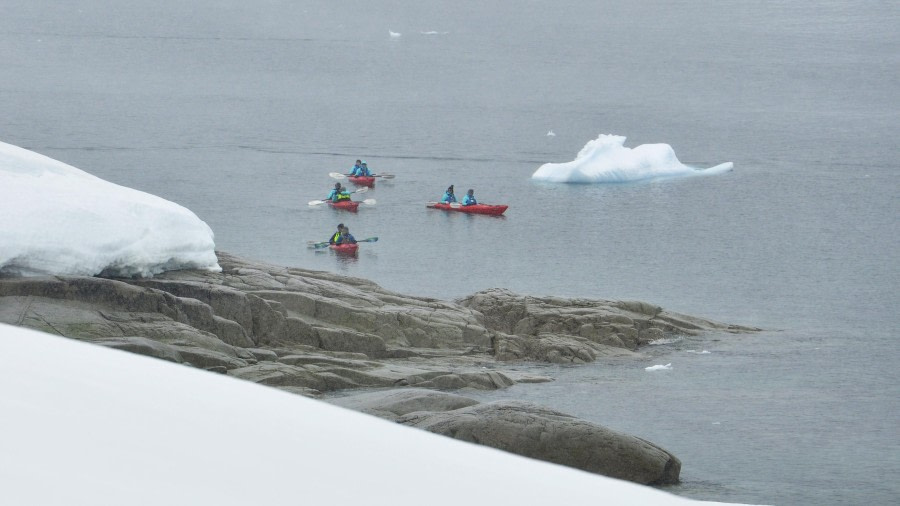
(455, 205)
(364, 189)
(385, 176)
(317, 245)
(369, 202)
(368, 239)
(316, 202)
(337, 175)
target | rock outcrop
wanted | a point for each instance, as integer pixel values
(525, 429)
(312, 332)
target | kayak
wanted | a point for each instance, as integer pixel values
(362, 180)
(347, 248)
(348, 205)
(474, 208)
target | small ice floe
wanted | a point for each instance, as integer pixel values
(659, 367)
(432, 32)
(665, 340)
(704, 352)
(394, 35)
(551, 134)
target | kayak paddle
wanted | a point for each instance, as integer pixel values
(454, 205)
(319, 202)
(320, 245)
(338, 175)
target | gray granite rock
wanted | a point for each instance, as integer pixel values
(310, 333)
(393, 404)
(541, 433)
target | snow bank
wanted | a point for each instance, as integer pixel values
(606, 160)
(83, 424)
(57, 219)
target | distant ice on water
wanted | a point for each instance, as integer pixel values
(607, 160)
(665, 340)
(659, 367)
(394, 35)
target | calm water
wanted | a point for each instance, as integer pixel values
(239, 110)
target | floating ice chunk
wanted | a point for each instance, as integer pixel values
(59, 220)
(394, 35)
(704, 352)
(606, 160)
(659, 367)
(665, 340)
(551, 134)
(432, 32)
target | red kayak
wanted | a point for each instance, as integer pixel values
(347, 249)
(348, 205)
(474, 208)
(362, 180)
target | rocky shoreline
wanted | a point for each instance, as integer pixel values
(311, 333)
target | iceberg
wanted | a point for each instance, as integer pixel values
(607, 160)
(60, 220)
(88, 425)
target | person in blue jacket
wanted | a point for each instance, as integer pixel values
(345, 237)
(342, 195)
(448, 197)
(360, 169)
(469, 199)
(334, 192)
(338, 194)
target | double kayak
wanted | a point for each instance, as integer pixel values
(473, 209)
(348, 248)
(347, 205)
(362, 180)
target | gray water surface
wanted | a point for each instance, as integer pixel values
(238, 111)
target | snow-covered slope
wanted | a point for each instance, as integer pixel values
(607, 160)
(57, 219)
(87, 425)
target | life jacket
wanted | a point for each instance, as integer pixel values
(344, 195)
(469, 201)
(334, 238)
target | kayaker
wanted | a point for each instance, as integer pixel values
(337, 234)
(469, 199)
(345, 237)
(355, 168)
(334, 192)
(448, 196)
(338, 194)
(363, 171)
(342, 195)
